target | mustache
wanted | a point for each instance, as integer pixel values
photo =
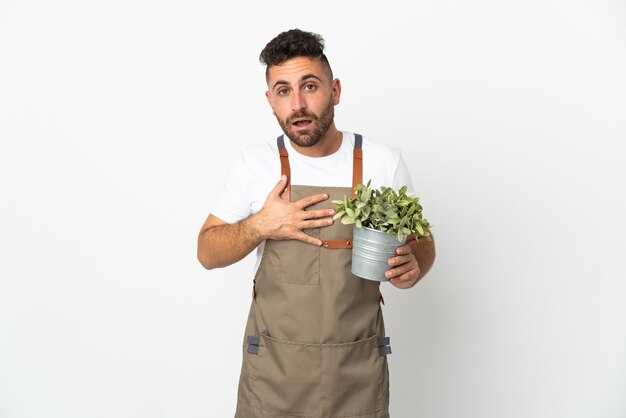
(301, 114)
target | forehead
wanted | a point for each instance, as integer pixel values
(293, 69)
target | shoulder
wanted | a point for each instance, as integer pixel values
(254, 173)
(378, 150)
(255, 163)
(383, 164)
(259, 151)
(257, 159)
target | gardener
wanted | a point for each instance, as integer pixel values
(315, 342)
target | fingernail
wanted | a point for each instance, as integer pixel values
(330, 222)
(388, 274)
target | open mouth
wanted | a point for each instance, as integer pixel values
(302, 123)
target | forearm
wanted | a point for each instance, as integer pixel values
(223, 245)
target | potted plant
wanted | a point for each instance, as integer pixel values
(382, 218)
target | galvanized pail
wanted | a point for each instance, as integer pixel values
(371, 250)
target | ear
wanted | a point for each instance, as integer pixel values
(336, 87)
(268, 96)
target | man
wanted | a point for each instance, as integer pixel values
(315, 343)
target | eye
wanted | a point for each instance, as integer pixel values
(283, 91)
(310, 87)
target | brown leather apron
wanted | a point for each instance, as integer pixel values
(315, 341)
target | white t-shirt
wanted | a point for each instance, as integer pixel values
(257, 170)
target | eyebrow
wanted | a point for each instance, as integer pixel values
(303, 78)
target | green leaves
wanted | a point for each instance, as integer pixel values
(384, 210)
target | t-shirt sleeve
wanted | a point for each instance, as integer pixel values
(402, 177)
(231, 206)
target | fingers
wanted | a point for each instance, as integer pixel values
(402, 283)
(319, 213)
(405, 270)
(400, 270)
(308, 239)
(406, 279)
(404, 256)
(317, 223)
(282, 219)
(311, 200)
(404, 249)
(280, 187)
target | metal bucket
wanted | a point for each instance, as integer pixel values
(371, 250)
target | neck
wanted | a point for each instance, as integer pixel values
(328, 145)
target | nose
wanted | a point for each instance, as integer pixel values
(298, 102)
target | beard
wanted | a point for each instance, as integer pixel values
(309, 137)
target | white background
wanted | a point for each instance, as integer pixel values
(120, 119)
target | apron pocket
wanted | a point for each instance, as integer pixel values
(353, 374)
(299, 261)
(287, 377)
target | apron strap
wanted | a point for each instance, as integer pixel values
(357, 164)
(284, 165)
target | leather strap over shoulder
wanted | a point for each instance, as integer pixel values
(284, 164)
(357, 163)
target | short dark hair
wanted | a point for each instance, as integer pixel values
(291, 44)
